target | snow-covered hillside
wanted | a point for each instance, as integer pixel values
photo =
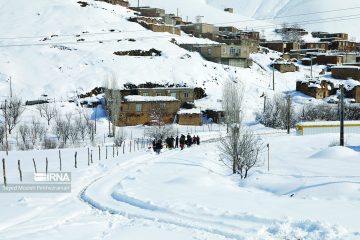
(272, 11)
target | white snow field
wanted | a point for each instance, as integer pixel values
(312, 191)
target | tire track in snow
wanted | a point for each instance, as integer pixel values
(176, 219)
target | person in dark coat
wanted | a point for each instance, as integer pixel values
(158, 146)
(198, 140)
(194, 140)
(154, 145)
(182, 141)
(172, 140)
(189, 140)
(177, 142)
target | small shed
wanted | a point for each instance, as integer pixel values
(191, 117)
(325, 127)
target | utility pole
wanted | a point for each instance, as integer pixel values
(342, 115)
(177, 12)
(288, 117)
(311, 68)
(138, 3)
(5, 121)
(273, 68)
(268, 147)
(95, 117)
(10, 87)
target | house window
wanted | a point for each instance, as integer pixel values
(209, 50)
(158, 94)
(173, 94)
(138, 107)
(186, 94)
(232, 51)
(145, 94)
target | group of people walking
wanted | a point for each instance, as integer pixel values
(177, 142)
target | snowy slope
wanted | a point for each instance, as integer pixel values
(275, 10)
(272, 13)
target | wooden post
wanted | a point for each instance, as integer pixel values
(117, 150)
(342, 141)
(99, 153)
(4, 171)
(34, 166)
(75, 160)
(46, 165)
(88, 156)
(91, 158)
(19, 168)
(130, 145)
(60, 160)
(106, 147)
(138, 144)
(268, 147)
(5, 126)
(123, 147)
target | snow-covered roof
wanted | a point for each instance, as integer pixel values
(189, 111)
(346, 67)
(326, 123)
(139, 98)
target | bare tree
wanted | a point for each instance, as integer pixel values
(73, 133)
(113, 101)
(279, 113)
(159, 130)
(291, 33)
(81, 127)
(24, 132)
(12, 112)
(120, 137)
(2, 133)
(47, 111)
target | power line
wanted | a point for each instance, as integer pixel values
(295, 15)
(308, 22)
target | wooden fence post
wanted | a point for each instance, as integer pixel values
(19, 168)
(75, 160)
(88, 156)
(99, 153)
(117, 151)
(4, 171)
(113, 150)
(91, 158)
(34, 165)
(130, 145)
(46, 165)
(60, 160)
(123, 147)
(106, 147)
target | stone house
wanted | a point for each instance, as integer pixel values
(198, 29)
(156, 25)
(184, 94)
(343, 45)
(232, 55)
(285, 67)
(215, 116)
(228, 29)
(325, 59)
(314, 45)
(353, 92)
(150, 12)
(191, 117)
(281, 46)
(318, 90)
(139, 110)
(342, 36)
(346, 72)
